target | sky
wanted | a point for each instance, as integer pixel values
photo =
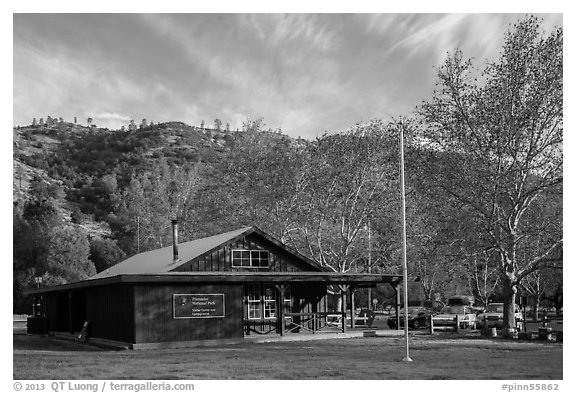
(304, 73)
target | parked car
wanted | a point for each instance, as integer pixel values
(417, 318)
(435, 305)
(461, 300)
(493, 316)
(448, 314)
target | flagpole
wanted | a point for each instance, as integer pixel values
(404, 263)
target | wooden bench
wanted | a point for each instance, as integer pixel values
(453, 326)
(365, 318)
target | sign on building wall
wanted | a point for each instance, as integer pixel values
(198, 305)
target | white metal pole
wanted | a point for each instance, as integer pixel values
(369, 264)
(138, 235)
(404, 263)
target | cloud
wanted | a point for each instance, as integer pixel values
(435, 35)
(303, 72)
(200, 54)
(266, 80)
(282, 29)
(57, 83)
(107, 116)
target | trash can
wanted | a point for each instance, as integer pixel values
(36, 325)
(489, 332)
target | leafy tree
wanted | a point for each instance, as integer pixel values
(253, 125)
(68, 255)
(42, 190)
(217, 124)
(257, 182)
(151, 200)
(554, 288)
(428, 256)
(132, 126)
(104, 253)
(500, 138)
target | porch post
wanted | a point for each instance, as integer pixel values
(296, 308)
(42, 304)
(282, 325)
(352, 308)
(397, 307)
(343, 288)
(245, 311)
(70, 312)
(315, 326)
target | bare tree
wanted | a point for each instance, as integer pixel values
(345, 181)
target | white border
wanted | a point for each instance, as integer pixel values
(250, 250)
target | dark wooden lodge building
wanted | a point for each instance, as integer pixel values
(222, 287)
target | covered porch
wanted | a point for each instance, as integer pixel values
(306, 302)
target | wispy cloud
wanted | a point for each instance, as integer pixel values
(434, 34)
(60, 84)
(281, 29)
(268, 81)
(114, 117)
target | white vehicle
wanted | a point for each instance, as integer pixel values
(448, 315)
(493, 316)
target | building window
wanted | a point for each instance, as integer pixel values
(254, 302)
(261, 301)
(250, 258)
(269, 302)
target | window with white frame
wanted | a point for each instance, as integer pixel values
(250, 258)
(261, 301)
(254, 301)
(269, 302)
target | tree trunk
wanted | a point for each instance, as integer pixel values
(338, 307)
(509, 292)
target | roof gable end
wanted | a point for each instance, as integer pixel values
(161, 260)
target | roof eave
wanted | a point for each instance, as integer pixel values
(327, 278)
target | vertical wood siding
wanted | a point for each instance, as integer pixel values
(110, 312)
(221, 259)
(57, 311)
(154, 319)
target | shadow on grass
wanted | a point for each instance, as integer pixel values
(25, 342)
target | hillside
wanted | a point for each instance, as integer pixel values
(74, 159)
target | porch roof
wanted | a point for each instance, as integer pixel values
(327, 278)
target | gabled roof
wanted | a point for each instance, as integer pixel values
(161, 260)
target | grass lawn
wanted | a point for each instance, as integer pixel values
(434, 357)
